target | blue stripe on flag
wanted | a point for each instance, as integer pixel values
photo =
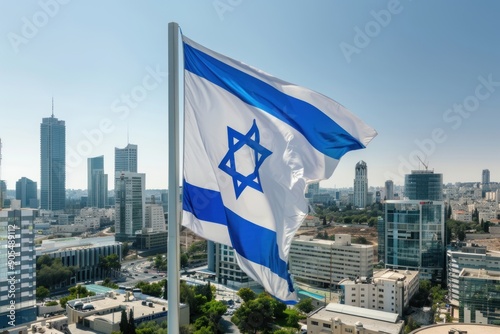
(320, 130)
(242, 232)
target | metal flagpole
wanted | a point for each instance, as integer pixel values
(173, 179)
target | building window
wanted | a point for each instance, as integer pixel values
(327, 325)
(348, 330)
(314, 323)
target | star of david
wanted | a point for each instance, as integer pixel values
(237, 141)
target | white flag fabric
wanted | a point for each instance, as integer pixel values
(252, 143)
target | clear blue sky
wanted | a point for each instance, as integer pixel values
(404, 67)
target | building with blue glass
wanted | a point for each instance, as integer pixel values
(97, 183)
(413, 233)
(52, 164)
(26, 192)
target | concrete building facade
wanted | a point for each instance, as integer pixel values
(325, 262)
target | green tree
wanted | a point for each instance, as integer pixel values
(125, 249)
(131, 323)
(305, 305)
(214, 310)
(411, 325)
(42, 293)
(254, 316)
(246, 294)
(165, 290)
(184, 260)
(123, 322)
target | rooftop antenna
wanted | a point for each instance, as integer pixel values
(52, 107)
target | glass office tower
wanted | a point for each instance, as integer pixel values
(52, 164)
(414, 237)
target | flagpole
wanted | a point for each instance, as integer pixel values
(173, 179)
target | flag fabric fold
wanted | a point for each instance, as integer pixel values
(252, 143)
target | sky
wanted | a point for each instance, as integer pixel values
(424, 74)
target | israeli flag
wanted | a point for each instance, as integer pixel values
(252, 144)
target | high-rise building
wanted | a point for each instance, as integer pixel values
(361, 185)
(389, 190)
(424, 185)
(126, 159)
(413, 235)
(129, 204)
(18, 274)
(3, 193)
(154, 218)
(26, 192)
(486, 176)
(312, 189)
(52, 163)
(97, 183)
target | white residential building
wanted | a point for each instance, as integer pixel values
(461, 215)
(341, 319)
(325, 262)
(388, 290)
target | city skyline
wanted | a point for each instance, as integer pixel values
(428, 83)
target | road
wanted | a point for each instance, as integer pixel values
(136, 271)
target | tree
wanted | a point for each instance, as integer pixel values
(214, 310)
(123, 322)
(184, 260)
(42, 293)
(254, 316)
(125, 249)
(246, 294)
(305, 305)
(411, 325)
(165, 290)
(131, 323)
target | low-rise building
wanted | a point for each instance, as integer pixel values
(82, 253)
(388, 290)
(325, 262)
(103, 314)
(340, 319)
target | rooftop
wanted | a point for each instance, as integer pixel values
(372, 320)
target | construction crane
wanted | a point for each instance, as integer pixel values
(423, 163)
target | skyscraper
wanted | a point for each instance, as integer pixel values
(18, 274)
(26, 192)
(389, 190)
(485, 181)
(97, 183)
(414, 228)
(486, 176)
(126, 159)
(361, 185)
(52, 163)
(424, 185)
(129, 204)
